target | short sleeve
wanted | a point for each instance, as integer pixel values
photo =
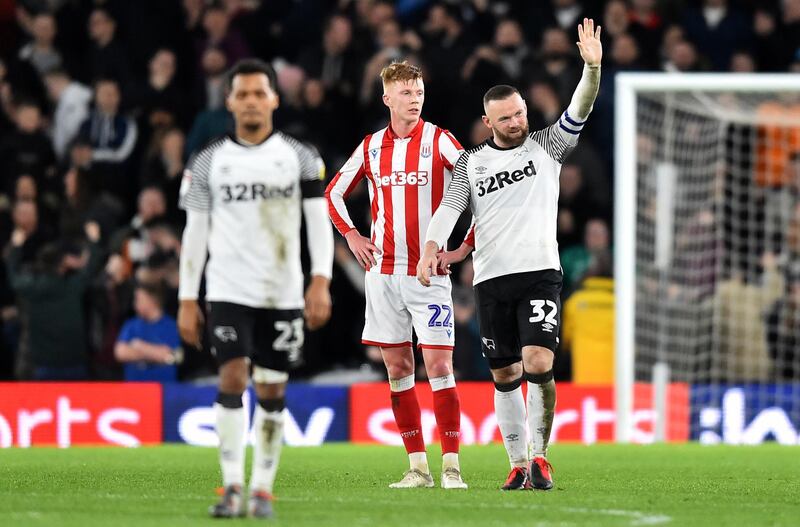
(312, 169)
(126, 334)
(450, 149)
(195, 194)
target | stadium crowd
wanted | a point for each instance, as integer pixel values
(103, 101)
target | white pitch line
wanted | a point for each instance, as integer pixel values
(636, 518)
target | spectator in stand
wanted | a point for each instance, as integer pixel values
(83, 202)
(111, 305)
(717, 30)
(163, 167)
(53, 296)
(107, 57)
(40, 52)
(220, 35)
(162, 94)
(791, 30)
(148, 344)
(682, 58)
(112, 137)
(576, 204)
(544, 106)
(72, 100)
(578, 259)
(27, 150)
(334, 62)
(131, 241)
(214, 65)
(647, 27)
(769, 48)
(742, 62)
(25, 216)
(556, 61)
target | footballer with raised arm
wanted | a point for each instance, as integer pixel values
(511, 183)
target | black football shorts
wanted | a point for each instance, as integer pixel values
(517, 310)
(271, 338)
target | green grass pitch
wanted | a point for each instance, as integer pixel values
(346, 485)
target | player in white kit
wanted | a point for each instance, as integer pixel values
(511, 183)
(407, 166)
(244, 196)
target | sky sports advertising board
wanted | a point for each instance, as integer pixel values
(133, 414)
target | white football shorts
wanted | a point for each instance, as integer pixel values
(396, 303)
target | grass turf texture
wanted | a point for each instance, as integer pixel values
(346, 485)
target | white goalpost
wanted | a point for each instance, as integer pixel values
(707, 267)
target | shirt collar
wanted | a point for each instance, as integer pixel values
(414, 132)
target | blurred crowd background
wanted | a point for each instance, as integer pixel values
(103, 101)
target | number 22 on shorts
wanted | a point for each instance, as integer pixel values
(436, 311)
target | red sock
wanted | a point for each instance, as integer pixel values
(448, 418)
(407, 415)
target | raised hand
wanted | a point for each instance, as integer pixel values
(589, 42)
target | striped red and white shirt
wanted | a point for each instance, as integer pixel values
(407, 178)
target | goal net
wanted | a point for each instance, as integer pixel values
(707, 249)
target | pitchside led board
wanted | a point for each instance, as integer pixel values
(133, 414)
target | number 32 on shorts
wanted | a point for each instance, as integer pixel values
(539, 314)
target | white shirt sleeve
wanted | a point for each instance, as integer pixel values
(319, 235)
(194, 251)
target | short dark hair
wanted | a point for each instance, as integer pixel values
(499, 92)
(153, 290)
(105, 79)
(250, 67)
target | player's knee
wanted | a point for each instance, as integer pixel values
(504, 373)
(400, 369)
(537, 359)
(399, 363)
(438, 368)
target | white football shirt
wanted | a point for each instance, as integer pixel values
(513, 194)
(254, 195)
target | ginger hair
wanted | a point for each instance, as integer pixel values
(400, 72)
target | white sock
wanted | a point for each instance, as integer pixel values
(231, 424)
(450, 460)
(509, 407)
(419, 461)
(541, 407)
(268, 432)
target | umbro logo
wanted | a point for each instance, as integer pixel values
(512, 437)
(481, 170)
(489, 343)
(226, 333)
